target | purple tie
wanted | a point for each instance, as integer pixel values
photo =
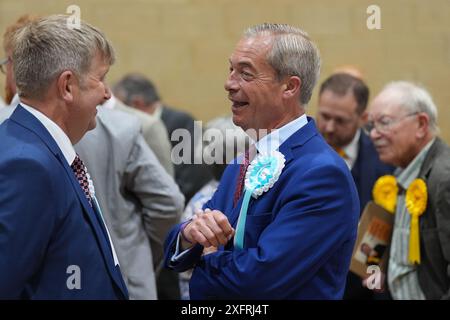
(241, 178)
(80, 173)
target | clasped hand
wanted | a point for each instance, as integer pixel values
(210, 228)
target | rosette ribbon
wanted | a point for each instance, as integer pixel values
(261, 175)
(385, 193)
(416, 203)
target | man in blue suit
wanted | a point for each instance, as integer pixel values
(340, 115)
(299, 235)
(53, 240)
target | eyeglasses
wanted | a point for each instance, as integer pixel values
(4, 62)
(384, 124)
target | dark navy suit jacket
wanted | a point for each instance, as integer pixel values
(299, 235)
(367, 169)
(49, 234)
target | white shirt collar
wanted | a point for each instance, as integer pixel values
(351, 150)
(61, 139)
(15, 101)
(276, 138)
(110, 103)
(2, 103)
(158, 111)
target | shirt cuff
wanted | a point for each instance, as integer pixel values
(178, 255)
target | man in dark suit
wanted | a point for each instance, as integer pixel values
(297, 237)
(403, 126)
(54, 243)
(139, 92)
(341, 113)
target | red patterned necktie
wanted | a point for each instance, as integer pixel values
(241, 178)
(79, 169)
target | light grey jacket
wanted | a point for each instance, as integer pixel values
(155, 134)
(139, 199)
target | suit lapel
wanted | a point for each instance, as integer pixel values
(298, 138)
(96, 223)
(26, 119)
(359, 158)
(236, 210)
(364, 157)
(430, 158)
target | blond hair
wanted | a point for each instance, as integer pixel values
(45, 48)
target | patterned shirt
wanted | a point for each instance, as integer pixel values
(402, 275)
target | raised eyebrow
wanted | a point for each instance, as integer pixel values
(242, 64)
(385, 116)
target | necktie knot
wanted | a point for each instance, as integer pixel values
(79, 169)
(341, 152)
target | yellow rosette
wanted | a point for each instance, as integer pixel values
(385, 193)
(416, 203)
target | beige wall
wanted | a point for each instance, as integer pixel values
(183, 45)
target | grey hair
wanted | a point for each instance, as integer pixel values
(292, 54)
(414, 98)
(236, 140)
(45, 48)
(136, 85)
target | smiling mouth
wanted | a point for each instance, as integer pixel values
(238, 104)
(379, 147)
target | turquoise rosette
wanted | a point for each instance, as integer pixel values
(261, 175)
(263, 172)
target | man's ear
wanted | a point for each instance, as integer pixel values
(363, 118)
(292, 87)
(423, 122)
(66, 84)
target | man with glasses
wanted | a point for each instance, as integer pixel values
(2, 62)
(5, 70)
(341, 113)
(403, 127)
(11, 96)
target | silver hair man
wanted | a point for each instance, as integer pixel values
(402, 125)
(413, 98)
(292, 54)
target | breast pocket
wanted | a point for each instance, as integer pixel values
(254, 226)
